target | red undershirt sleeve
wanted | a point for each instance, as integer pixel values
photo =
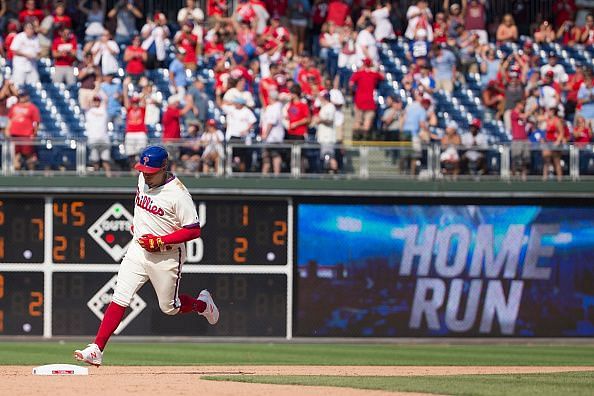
(182, 235)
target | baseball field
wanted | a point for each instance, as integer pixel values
(304, 369)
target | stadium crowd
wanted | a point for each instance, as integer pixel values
(280, 71)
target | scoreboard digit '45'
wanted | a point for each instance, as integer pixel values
(61, 242)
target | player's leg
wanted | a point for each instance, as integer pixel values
(131, 277)
(165, 276)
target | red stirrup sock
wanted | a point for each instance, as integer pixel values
(190, 304)
(111, 319)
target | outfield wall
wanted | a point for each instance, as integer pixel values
(311, 265)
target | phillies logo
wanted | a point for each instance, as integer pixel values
(145, 160)
(147, 204)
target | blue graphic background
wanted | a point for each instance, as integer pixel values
(355, 250)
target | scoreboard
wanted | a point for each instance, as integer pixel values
(59, 257)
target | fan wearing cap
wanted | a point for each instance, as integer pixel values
(165, 218)
(212, 140)
(177, 74)
(450, 160)
(477, 140)
(273, 132)
(136, 137)
(550, 91)
(364, 83)
(326, 131)
(23, 122)
(26, 49)
(156, 33)
(135, 57)
(419, 16)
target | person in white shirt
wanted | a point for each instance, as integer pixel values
(237, 90)
(212, 140)
(104, 53)
(272, 132)
(240, 121)
(193, 13)
(26, 49)
(478, 140)
(98, 143)
(381, 18)
(560, 76)
(366, 45)
(419, 17)
(165, 217)
(155, 34)
(326, 131)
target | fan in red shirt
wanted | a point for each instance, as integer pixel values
(366, 81)
(214, 48)
(245, 12)
(277, 8)
(135, 57)
(60, 17)
(23, 121)
(31, 14)
(171, 119)
(307, 71)
(187, 40)
(276, 31)
(216, 8)
(268, 84)
(64, 53)
(298, 116)
(338, 12)
(136, 138)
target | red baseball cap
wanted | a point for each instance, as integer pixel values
(550, 73)
(211, 122)
(367, 62)
(476, 123)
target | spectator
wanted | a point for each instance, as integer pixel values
(366, 81)
(240, 121)
(273, 133)
(475, 19)
(415, 122)
(419, 17)
(212, 141)
(444, 69)
(347, 58)
(455, 19)
(186, 39)
(419, 48)
(154, 34)
(136, 138)
(572, 88)
(545, 33)
(135, 57)
(366, 45)
(237, 89)
(95, 19)
(64, 54)
(25, 48)
(299, 13)
(89, 77)
(8, 96)
(104, 53)
(587, 33)
(198, 99)
(468, 46)
(172, 119)
(582, 131)
(319, 14)
(507, 31)
(326, 132)
(191, 148)
(555, 137)
(12, 31)
(31, 14)
(216, 9)
(586, 98)
(98, 142)
(125, 12)
(494, 98)
(339, 13)
(61, 20)
(23, 122)
(112, 90)
(475, 143)
(297, 116)
(177, 74)
(560, 76)
(393, 118)
(153, 101)
(550, 91)
(520, 146)
(449, 157)
(381, 18)
(268, 84)
(192, 13)
(513, 93)
(440, 29)
(489, 67)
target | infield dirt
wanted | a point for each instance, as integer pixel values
(179, 380)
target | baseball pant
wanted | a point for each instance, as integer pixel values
(163, 269)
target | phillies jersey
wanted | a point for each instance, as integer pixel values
(163, 210)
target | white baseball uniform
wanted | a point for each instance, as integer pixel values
(159, 211)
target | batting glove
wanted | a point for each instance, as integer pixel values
(151, 243)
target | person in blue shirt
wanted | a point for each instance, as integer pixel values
(112, 90)
(444, 69)
(415, 120)
(177, 74)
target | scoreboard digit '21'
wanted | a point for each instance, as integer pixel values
(76, 242)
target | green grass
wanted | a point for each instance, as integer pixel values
(172, 354)
(564, 384)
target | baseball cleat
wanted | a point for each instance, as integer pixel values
(211, 312)
(91, 355)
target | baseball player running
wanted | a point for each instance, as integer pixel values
(164, 218)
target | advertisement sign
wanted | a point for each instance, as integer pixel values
(444, 270)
